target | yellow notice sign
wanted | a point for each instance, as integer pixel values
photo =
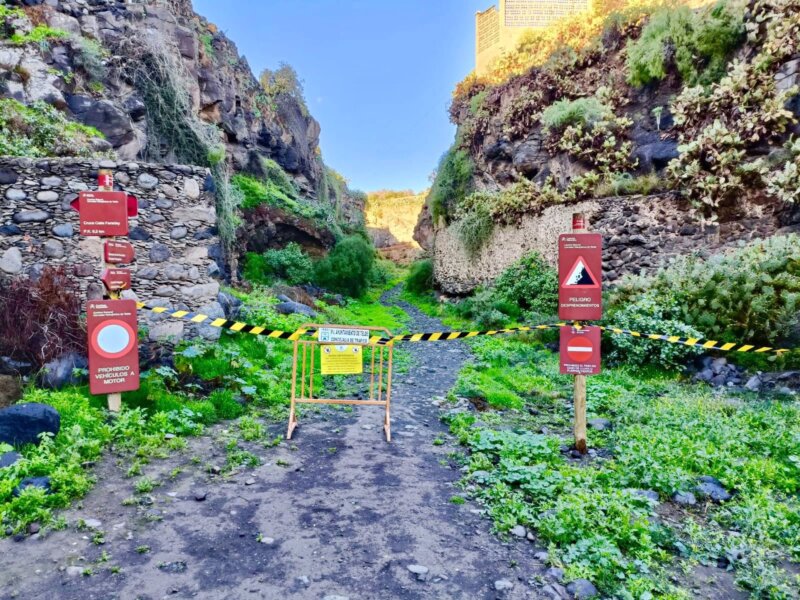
(341, 360)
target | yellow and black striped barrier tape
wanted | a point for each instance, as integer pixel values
(446, 336)
(224, 323)
(698, 342)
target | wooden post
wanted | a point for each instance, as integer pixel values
(579, 394)
(105, 183)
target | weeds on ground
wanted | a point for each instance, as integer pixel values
(594, 516)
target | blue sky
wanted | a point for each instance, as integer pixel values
(377, 74)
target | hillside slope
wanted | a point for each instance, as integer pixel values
(156, 82)
(698, 106)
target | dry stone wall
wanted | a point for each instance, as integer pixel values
(178, 255)
(640, 234)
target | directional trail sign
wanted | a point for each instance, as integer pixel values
(116, 280)
(118, 253)
(113, 346)
(103, 214)
(580, 350)
(580, 267)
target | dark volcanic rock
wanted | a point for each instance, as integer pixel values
(103, 115)
(22, 423)
(60, 372)
(36, 482)
(291, 308)
(712, 488)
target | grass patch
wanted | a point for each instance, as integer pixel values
(665, 435)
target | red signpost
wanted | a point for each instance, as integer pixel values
(113, 346)
(580, 298)
(103, 214)
(116, 280)
(118, 253)
(580, 267)
(580, 350)
(112, 324)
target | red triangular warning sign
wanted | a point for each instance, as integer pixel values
(581, 276)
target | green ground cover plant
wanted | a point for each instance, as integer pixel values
(239, 377)
(749, 295)
(665, 435)
(41, 130)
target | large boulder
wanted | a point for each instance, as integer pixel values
(530, 158)
(33, 482)
(103, 115)
(23, 423)
(60, 372)
(295, 308)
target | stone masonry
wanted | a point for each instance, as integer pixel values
(178, 255)
(640, 234)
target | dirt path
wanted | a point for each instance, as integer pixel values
(336, 513)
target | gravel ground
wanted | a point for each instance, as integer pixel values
(335, 513)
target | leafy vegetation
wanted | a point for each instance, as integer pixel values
(40, 130)
(283, 82)
(595, 521)
(289, 264)
(452, 183)
(703, 42)
(41, 35)
(420, 277)
(348, 267)
(750, 294)
(745, 108)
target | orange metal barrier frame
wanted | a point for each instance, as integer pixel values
(380, 390)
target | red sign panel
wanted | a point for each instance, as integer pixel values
(103, 214)
(116, 279)
(118, 253)
(580, 350)
(580, 267)
(113, 346)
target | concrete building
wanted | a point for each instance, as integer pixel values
(499, 29)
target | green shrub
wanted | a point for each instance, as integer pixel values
(225, 404)
(582, 111)
(290, 264)
(530, 284)
(41, 130)
(420, 277)
(652, 312)
(255, 269)
(702, 42)
(624, 184)
(347, 268)
(452, 184)
(89, 57)
(475, 228)
(749, 295)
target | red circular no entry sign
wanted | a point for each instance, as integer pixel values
(579, 349)
(113, 339)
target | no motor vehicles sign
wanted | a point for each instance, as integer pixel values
(580, 350)
(113, 346)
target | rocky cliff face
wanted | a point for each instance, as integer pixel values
(163, 85)
(579, 127)
(98, 72)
